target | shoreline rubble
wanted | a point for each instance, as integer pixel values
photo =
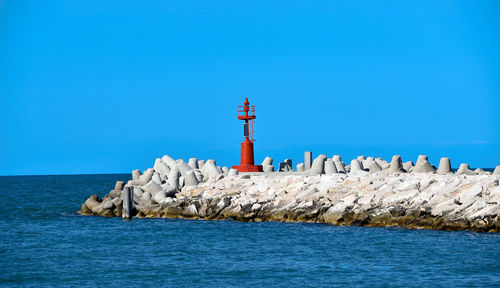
(368, 192)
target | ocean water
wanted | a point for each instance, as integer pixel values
(44, 243)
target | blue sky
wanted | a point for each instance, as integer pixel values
(108, 86)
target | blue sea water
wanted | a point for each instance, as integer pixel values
(44, 243)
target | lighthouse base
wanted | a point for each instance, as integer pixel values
(248, 168)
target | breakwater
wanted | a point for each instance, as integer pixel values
(367, 192)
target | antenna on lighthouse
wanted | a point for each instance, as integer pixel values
(246, 112)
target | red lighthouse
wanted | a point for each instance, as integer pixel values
(247, 113)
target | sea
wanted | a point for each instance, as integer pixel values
(45, 243)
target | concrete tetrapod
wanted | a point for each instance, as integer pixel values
(156, 166)
(183, 167)
(152, 187)
(156, 178)
(168, 160)
(119, 185)
(137, 192)
(444, 166)
(336, 158)
(396, 165)
(201, 163)
(382, 163)
(136, 174)
(145, 198)
(144, 178)
(408, 166)
(232, 172)
(374, 167)
(318, 166)
(267, 161)
(355, 166)
(479, 171)
(423, 165)
(147, 174)
(367, 162)
(169, 190)
(190, 178)
(339, 165)
(163, 169)
(465, 169)
(300, 167)
(497, 170)
(198, 174)
(330, 167)
(210, 170)
(173, 177)
(118, 189)
(159, 197)
(193, 163)
(182, 181)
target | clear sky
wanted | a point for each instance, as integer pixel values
(108, 86)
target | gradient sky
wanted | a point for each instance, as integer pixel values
(108, 86)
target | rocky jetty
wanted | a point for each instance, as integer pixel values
(368, 192)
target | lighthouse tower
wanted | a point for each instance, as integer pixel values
(247, 113)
